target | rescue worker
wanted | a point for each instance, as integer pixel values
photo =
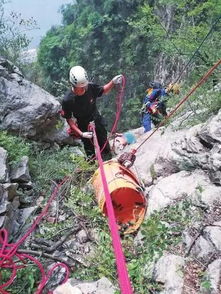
(154, 104)
(79, 108)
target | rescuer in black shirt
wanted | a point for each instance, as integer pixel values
(79, 108)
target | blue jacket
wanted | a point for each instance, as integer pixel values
(155, 95)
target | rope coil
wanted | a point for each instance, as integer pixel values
(9, 251)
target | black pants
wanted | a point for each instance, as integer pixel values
(101, 137)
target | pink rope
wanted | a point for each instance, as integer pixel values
(120, 259)
(9, 251)
(119, 103)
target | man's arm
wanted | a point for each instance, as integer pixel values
(74, 127)
(77, 131)
(115, 81)
(108, 87)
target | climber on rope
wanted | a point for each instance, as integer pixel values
(79, 109)
(154, 104)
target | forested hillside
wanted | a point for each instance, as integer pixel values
(145, 40)
(49, 213)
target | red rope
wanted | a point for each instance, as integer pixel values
(9, 251)
(120, 259)
(119, 104)
(201, 81)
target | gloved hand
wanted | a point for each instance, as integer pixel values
(117, 79)
(87, 135)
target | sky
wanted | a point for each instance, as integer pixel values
(45, 12)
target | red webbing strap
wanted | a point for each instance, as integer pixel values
(119, 103)
(120, 259)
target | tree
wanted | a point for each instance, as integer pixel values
(146, 40)
(12, 33)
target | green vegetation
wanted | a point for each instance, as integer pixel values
(26, 280)
(49, 165)
(203, 104)
(206, 284)
(135, 37)
(109, 37)
(12, 33)
(161, 232)
(15, 146)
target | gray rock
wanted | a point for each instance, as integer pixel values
(11, 188)
(211, 132)
(3, 165)
(169, 271)
(82, 237)
(213, 275)
(202, 249)
(20, 173)
(28, 110)
(213, 234)
(99, 287)
(3, 200)
(173, 188)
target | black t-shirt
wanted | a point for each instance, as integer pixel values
(82, 107)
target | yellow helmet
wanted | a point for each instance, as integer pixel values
(149, 91)
(174, 88)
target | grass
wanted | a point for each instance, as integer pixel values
(160, 232)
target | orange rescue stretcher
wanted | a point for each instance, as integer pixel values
(126, 193)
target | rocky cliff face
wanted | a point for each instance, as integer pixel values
(28, 110)
(178, 166)
(174, 166)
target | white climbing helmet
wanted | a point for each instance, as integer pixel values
(78, 76)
